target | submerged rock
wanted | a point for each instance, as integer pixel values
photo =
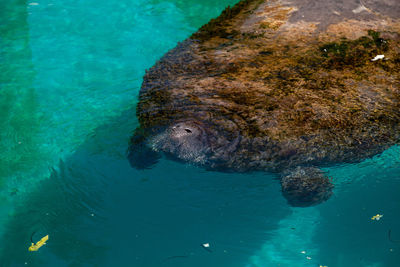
(283, 86)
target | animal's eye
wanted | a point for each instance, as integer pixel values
(188, 130)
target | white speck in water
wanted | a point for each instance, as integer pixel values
(308, 258)
(33, 4)
(377, 57)
(303, 252)
(206, 245)
(92, 214)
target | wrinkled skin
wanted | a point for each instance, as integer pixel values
(187, 140)
(283, 86)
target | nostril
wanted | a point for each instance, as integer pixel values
(188, 130)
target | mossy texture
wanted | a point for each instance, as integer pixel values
(294, 93)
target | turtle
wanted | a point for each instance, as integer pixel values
(281, 86)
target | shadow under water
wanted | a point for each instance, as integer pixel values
(99, 211)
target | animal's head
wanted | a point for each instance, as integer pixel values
(186, 140)
(193, 140)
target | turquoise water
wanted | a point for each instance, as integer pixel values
(70, 72)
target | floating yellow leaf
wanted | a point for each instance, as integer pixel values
(377, 217)
(39, 244)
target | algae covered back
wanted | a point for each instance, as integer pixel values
(286, 83)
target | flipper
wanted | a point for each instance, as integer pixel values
(140, 155)
(306, 186)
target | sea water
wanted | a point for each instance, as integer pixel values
(70, 73)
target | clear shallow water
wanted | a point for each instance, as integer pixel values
(69, 78)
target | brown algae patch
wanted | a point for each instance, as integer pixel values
(286, 86)
(303, 84)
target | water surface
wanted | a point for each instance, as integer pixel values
(70, 74)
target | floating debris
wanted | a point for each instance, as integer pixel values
(39, 244)
(377, 217)
(308, 258)
(378, 57)
(303, 252)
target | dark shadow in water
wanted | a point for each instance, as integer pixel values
(347, 235)
(98, 211)
(61, 207)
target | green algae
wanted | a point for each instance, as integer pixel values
(282, 85)
(353, 53)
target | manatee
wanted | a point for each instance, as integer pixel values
(282, 86)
